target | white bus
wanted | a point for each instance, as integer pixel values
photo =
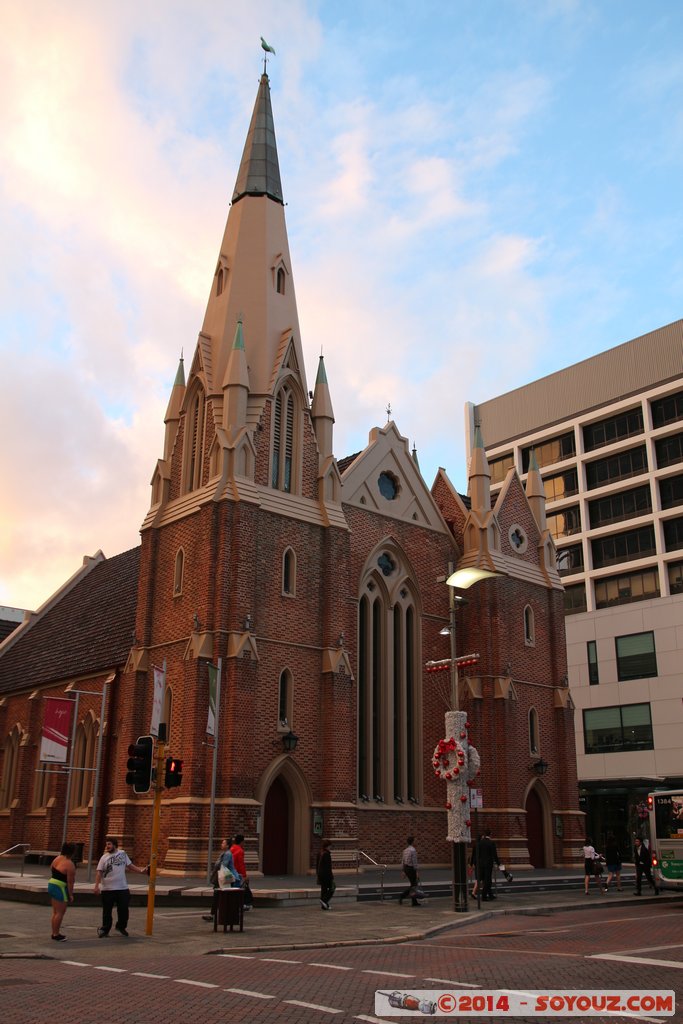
(665, 809)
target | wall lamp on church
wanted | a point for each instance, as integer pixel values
(289, 742)
(540, 767)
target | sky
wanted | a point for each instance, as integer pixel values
(478, 193)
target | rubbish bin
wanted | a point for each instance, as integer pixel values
(230, 910)
(78, 853)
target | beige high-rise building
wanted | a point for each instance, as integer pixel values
(607, 434)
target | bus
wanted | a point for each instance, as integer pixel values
(665, 811)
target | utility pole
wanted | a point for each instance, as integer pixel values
(156, 815)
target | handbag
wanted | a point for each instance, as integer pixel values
(225, 877)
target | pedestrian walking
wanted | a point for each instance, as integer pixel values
(592, 867)
(111, 882)
(486, 855)
(409, 868)
(325, 875)
(472, 871)
(237, 851)
(223, 876)
(642, 859)
(61, 887)
(613, 861)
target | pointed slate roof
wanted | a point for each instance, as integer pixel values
(259, 173)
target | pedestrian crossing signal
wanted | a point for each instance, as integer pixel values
(140, 764)
(174, 772)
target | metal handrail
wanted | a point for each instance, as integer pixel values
(18, 846)
(382, 867)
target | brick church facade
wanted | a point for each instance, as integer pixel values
(319, 584)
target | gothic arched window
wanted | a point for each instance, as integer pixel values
(10, 763)
(280, 285)
(289, 573)
(194, 440)
(85, 746)
(533, 732)
(286, 444)
(179, 572)
(389, 693)
(529, 634)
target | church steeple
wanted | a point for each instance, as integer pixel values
(480, 476)
(236, 384)
(259, 173)
(175, 402)
(535, 491)
(321, 412)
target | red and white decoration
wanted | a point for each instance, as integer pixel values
(458, 763)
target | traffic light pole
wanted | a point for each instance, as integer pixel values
(156, 816)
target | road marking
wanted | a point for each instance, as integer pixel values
(198, 984)
(650, 949)
(278, 960)
(500, 949)
(389, 974)
(372, 1020)
(237, 956)
(144, 974)
(74, 963)
(636, 960)
(332, 967)
(246, 992)
(448, 981)
(312, 1006)
(116, 970)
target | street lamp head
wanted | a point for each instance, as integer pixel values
(464, 578)
(540, 767)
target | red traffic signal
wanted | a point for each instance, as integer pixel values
(140, 764)
(174, 772)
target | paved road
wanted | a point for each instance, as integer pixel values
(621, 945)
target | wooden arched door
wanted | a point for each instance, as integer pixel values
(276, 829)
(534, 829)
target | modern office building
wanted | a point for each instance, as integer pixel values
(607, 434)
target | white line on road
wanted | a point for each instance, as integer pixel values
(648, 949)
(74, 963)
(198, 984)
(650, 961)
(144, 974)
(278, 960)
(389, 974)
(237, 956)
(371, 1020)
(116, 970)
(448, 981)
(246, 992)
(312, 1006)
(332, 967)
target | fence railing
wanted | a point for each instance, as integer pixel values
(360, 854)
(24, 847)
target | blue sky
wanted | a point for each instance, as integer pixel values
(479, 193)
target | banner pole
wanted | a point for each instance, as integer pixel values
(71, 765)
(156, 816)
(98, 765)
(214, 772)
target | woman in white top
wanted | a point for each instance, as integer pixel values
(590, 857)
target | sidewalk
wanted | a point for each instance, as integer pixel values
(178, 928)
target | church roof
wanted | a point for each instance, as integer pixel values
(259, 173)
(88, 630)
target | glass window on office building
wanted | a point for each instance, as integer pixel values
(574, 599)
(675, 573)
(669, 450)
(592, 651)
(620, 466)
(671, 491)
(615, 508)
(624, 424)
(667, 410)
(615, 729)
(636, 656)
(561, 485)
(623, 547)
(673, 534)
(500, 468)
(555, 449)
(564, 523)
(626, 588)
(570, 559)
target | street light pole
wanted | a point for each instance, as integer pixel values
(459, 849)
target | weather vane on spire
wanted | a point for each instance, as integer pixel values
(267, 49)
(388, 411)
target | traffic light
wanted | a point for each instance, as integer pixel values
(650, 802)
(174, 772)
(140, 764)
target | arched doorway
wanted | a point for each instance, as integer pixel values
(534, 829)
(276, 829)
(285, 798)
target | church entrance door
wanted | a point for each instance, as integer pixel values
(534, 829)
(276, 829)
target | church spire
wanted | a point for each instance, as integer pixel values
(236, 383)
(321, 412)
(535, 491)
(259, 173)
(172, 417)
(480, 476)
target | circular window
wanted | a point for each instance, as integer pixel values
(388, 486)
(518, 539)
